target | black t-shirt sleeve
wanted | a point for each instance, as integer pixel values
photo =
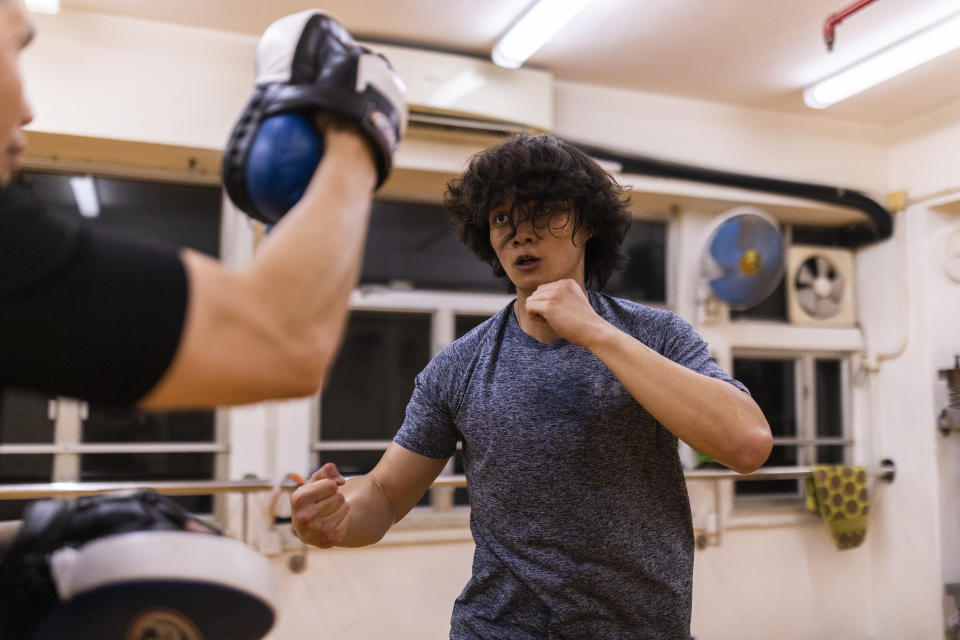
(84, 313)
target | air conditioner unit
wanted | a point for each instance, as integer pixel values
(460, 92)
(820, 286)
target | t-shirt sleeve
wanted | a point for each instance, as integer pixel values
(683, 345)
(429, 426)
(84, 313)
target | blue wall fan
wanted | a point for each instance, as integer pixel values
(744, 258)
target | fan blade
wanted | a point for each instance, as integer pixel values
(826, 308)
(725, 246)
(837, 286)
(736, 290)
(807, 300)
(823, 266)
(805, 275)
(764, 238)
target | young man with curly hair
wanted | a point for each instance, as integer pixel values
(568, 404)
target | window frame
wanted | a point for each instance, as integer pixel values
(806, 439)
(443, 307)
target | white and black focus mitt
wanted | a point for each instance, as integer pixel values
(307, 63)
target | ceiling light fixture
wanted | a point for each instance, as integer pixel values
(43, 6)
(85, 193)
(533, 30)
(888, 63)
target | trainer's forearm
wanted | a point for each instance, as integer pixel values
(272, 330)
(308, 265)
(371, 512)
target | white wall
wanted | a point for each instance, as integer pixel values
(923, 165)
(767, 143)
(776, 572)
(109, 77)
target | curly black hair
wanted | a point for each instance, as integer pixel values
(541, 174)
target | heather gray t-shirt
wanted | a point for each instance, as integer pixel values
(578, 503)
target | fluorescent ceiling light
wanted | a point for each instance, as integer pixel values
(903, 56)
(533, 30)
(43, 6)
(456, 88)
(85, 193)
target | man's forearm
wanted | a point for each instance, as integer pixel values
(371, 512)
(710, 415)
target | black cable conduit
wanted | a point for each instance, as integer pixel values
(878, 227)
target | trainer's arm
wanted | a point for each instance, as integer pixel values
(273, 329)
(367, 506)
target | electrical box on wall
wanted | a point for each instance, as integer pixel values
(820, 286)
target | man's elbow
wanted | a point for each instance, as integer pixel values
(754, 449)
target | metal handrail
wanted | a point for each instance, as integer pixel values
(204, 487)
(168, 488)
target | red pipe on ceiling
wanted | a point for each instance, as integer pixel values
(829, 27)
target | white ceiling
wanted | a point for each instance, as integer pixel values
(758, 53)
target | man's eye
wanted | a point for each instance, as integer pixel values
(500, 218)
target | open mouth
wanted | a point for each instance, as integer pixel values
(526, 261)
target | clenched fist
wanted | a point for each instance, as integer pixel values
(566, 308)
(320, 513)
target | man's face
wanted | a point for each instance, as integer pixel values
(542, 251)
(15, 33)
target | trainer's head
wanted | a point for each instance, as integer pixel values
(551, 174)
(15, 33)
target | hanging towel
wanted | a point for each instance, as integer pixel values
(838, 493)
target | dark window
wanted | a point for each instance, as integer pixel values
(465, 323)
(773, 386)
(16, 468)
(371, 382)
(25, 417)
(172, 214)
(644, 278)
(829, 409)
(411, 245)
(110, 424)
(816, 439)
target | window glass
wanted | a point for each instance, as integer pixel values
(372, 381)
(411, 245)
(800, 439)
(25, 417)
(16, 468)
(176, 215)
(106, 423)
(644, 278)
(464, 323)
(772, 383)
(829, 407)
